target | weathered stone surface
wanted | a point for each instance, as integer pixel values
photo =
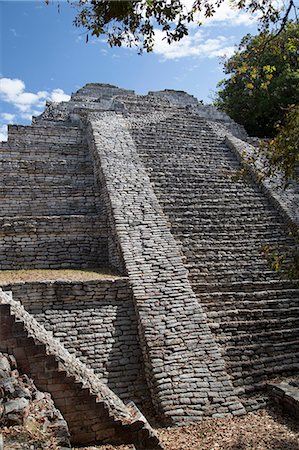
(142, 183)
(51, 213)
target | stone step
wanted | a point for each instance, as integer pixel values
(233, 211)
(210, 196)
(251, 376)
(269, 337)
(246, 286)
(255, 350)
(239, 306)
(258, 315)
(211, 183)
(228, 248)
(211, 192)
(186, 131)
(208, 184)
(45, 180)
(231, 234)
(193, 147)
(58, 166)
(209, 156)
(219, 230)
(223, 255)
(235, 270)
(48, 153)
(265, 364)
(246, 299)
(215, 266)
(232, 216)
(219, 209)
(237, 327)
(53, 242)
(52, 200)
(219, 249)
(33, 134)
(44, 191)
(13, 225)
(231, 277)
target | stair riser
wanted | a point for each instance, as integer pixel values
(44, 181)
(48, 206)
(31, 135)
(23, 168)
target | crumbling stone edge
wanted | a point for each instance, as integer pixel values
(285, 395)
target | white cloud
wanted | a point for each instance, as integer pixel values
(195, 44)
(8, 117)
(13, 92)
(3, 133)
(58, 95)
(11, 88)
(226, 14)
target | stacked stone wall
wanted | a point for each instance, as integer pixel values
(51, 214)
(52, 242)
(96, 322)
(56, 135)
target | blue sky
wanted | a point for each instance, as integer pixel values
(44, 57)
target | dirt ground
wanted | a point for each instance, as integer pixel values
(265, 429)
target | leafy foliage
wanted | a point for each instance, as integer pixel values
(284, 261)
(264, 80)
(134, 22)
(282, 152)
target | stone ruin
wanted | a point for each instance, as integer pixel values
(194, 323)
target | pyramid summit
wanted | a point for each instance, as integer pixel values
(190, 322)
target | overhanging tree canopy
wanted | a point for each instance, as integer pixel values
(263, 80)
(134, 22)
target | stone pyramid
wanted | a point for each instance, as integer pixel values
(194, 323)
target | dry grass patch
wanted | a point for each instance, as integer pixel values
(17, 276)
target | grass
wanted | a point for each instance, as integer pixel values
(16, 276)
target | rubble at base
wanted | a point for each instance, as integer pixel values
(28, 417)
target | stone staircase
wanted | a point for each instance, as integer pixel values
(51, 212)
(96, 322)
(221, 226)
(94, 413)
(146, 185)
